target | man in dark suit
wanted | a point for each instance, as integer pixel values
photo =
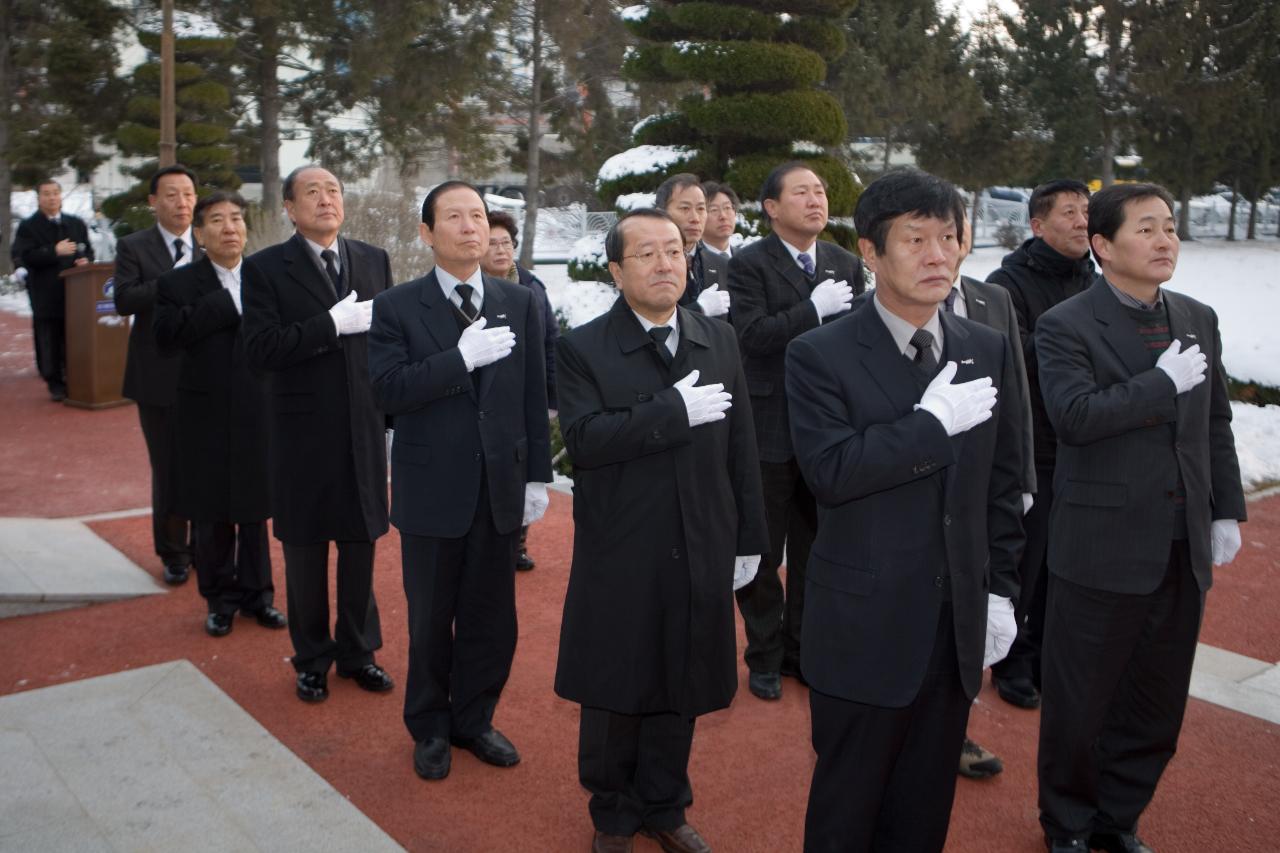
(47, 243)
(307, 307)
(1148, 500)
(722, 219)
(912, 573)
(683, 199)
(784, 285)
(220, 420)
(469, 465)
(150, 378)
(669, 518)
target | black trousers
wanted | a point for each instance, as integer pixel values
(1117, 669)
(462, 627)
(171, 533)
(50, 335)
(1023, 660)
(772, 620)
(233, 566)
(886, 777)
(357, 632)
(636, 767)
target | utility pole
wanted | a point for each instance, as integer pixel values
(168, 121)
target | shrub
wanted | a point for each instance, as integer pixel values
(823, 38)
(1009, 235)
(667, 129)
(749, 65)
(769, 118)
(747, 175)
(645, 64)
(721, 21)
(824, 8)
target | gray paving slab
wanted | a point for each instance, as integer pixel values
(58, 561)
(160, 758)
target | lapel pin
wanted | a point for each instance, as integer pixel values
(979, 301)
(501, 317)
(829, 272)
(1190, 335)
(966, 361)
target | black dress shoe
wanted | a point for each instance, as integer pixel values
(791, 669)
(1066, 845)
(175, 575)
(605, 843)
(269, 617)
(370, 677)
(524, 562)
(57, 393)
(683, 839)
(312, 687)
(217, 625)
(492, 747)
(1018, 691)
(431, 758)
(1118, 842)
(765, 685)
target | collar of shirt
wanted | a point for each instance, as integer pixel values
(228, 278)
(959, 306)
(448, 282)
(1134, 302)
(812, 252)
(901, 331)
(185, 237)
(56, 220)
(316, 248)
(726, 254)
(673, 339)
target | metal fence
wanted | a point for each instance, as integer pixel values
(560, 227)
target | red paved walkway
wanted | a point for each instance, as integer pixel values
(751, 763)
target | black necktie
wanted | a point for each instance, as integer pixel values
(469, 309)
(923, 342)
(331, 270)
(950, 302)
(660, 335)
(178, 246)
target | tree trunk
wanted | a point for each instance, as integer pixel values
(533, 177)
(1231, 216)
(973, 218)
(1184, 213)
(6, 110)
(1252, 233)
(888, 150)
(269, 111)
(1108, 164)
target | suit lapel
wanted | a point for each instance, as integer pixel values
(1118, 329)
(692, 338)
(206, 278)
(824, 267)
(888, 368)
(1182, 328)
(631, 338)
(302, 269)
(496, 310)
(161, 255)
(975, 305)
(787, 266)
(438, 314)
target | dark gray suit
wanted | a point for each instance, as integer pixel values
(715, 267)
(1127, 579)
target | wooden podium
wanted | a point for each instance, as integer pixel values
(97, 338)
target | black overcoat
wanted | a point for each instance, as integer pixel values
(328, 437)
(221, 408)
(33, 248)
(660, 511)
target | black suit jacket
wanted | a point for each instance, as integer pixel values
(328, 437)
(660, 512)
(220, 415)
(1124, 435)
(900, 505)
(33, 248)
(771, 306)
(715, 267)
(142, 257)
(451, 427)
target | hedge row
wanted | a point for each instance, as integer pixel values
(745, 65)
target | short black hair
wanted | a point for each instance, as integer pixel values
(1106, 207)
(502, 219)
(44, 182)
(286, 189)
(613, 242)
(1043, 196)
(673, 183)
(772, 186)
(715, 188)
(216, 197)
(176, 169)
(905, 192)
(429, 203)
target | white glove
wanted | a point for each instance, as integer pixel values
(1186, 369)
(714, 301)
(703, 404)
(958, 407)
(1001, 629)
(831, 297)
(480, 346)
(351, 317)
(744, 570)
(535, 502)
(1028, 501)
(1225, 536)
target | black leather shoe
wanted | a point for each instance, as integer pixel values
(684, 839)
(269, 617)
(791, 669)
(977, 762)
(604, 843)
(431, 758)
(524, 562)
(370, 677)
(1018, 691)
(217, 625)
(1066, 845)
(312, 687)
(57, 393)
(176, 575)
(1118, 842)
(765, 685)
(492, 747)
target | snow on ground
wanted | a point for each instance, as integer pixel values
(1257, 431)
(1240, 281)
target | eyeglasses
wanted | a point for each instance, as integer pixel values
(501, 244)
(726, 209)
(651, 256)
